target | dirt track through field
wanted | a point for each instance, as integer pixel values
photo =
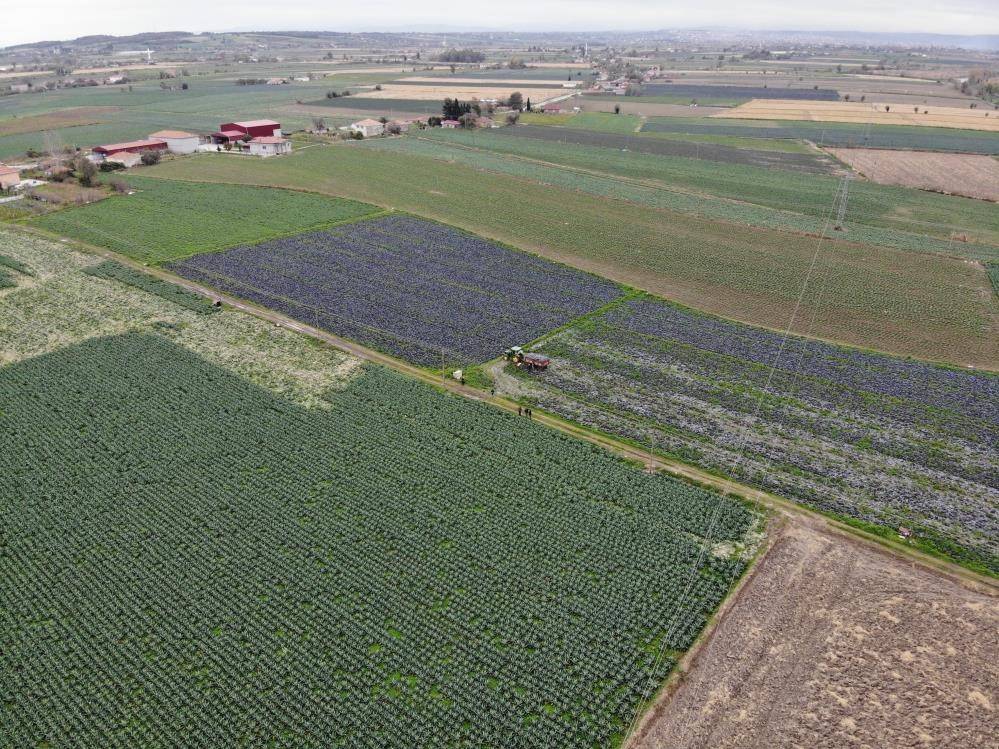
(970, 175)
(834, 643)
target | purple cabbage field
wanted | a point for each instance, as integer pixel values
(409, 287)
(893, 442)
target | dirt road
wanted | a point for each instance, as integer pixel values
(834, 643)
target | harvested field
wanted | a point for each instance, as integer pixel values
(970, 175)
(72, 117)
(797, 162)
(876, 113)
(464, 92)
(739, 92)
(834, 643)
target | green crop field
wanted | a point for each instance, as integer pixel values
(530, 581)
(900, 208)
(169, 220)
(600, 121)
(662, 195)
(227, 503)
(935, 308)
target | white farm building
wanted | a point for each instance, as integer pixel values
(178, 141)
(268, 145)
(368, 127)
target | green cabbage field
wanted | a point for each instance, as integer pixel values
(189, 559)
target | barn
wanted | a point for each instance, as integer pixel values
(177, 141)
(230, 132)
(132, 146)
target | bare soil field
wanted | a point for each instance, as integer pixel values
(835, 643)
(876, 113)
(970, 175)
(63, 118)
(463, 92)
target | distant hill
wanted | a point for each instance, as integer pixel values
(409, 35)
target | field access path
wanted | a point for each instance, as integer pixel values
(785, 509)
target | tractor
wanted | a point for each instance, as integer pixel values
(527, 359)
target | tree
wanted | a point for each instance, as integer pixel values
(468, 121)
(617, 109)
(453, 109)
(528, 105)
(516, 101)
(512, 118)
(86, 171)
(149, 158)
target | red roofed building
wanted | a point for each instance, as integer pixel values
(230, 132)
(132, 146)
(450, 124)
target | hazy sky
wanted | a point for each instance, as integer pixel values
(33, 20)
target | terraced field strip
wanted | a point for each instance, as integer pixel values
(874, 112)
(937, 308)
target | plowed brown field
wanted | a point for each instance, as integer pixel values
(965, 174)
(834, 643)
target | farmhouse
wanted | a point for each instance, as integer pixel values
(552, 109)
(230, 132)
(368, 127)
(269, 145)
(178, 141)
(9, 177)
(450, 124)
(132, 146)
